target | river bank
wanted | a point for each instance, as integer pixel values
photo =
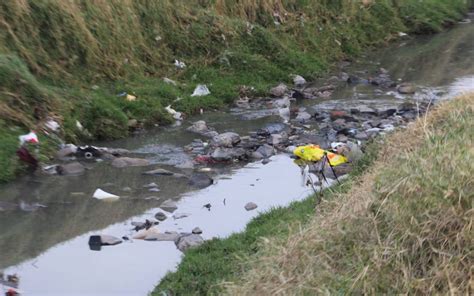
(102, 87)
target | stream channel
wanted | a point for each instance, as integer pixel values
(48, 248)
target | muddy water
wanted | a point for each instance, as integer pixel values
(48, 248)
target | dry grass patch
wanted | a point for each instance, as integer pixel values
(405, 226)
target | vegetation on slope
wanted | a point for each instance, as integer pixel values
(401, 224)
(405, 228)
(69, 59)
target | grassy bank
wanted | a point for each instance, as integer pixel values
(401, 224)
(69, 59)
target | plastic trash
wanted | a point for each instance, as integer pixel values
(179, 64)
(201, 90)
(176, 115)
(130, 98)
(313, 153)
(169, 81)
(52, 125)
(31, 137)
(102, 195)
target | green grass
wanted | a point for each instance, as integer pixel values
(204, 269)
(52, 53)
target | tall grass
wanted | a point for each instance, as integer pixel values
(405, 228)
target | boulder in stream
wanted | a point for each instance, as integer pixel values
(187, 241)
(200, 180)
(227, 140)
(122, 162)
(279, 90)
(71, 169)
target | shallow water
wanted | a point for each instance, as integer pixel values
(48, 248)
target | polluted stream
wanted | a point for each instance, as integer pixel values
(47, 247)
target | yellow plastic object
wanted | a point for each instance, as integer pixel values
(314, 153)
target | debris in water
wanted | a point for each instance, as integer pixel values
(179, 64)
(102, 195)
(201, 90)
(208, 206)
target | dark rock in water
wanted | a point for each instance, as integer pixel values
(266, 161)
(250, 206)
(266, 150)
(167, 236)
(73, 168)
(382, 80)
(187, 241)
(160, 216)
(169, 206)
(200, 180)
(227, 154)
(96, 241)
(279, 90)
(159, 172)
(227, 140)
(197, 230)
(406, 88)
(122, 162)
(356, 80)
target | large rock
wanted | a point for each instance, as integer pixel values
(227, 154)
(73, 168)
(169, 206)
(279, 90)
(228, 140)
(200, 180)
(303, 116)
(67, 150)
(122, 162)
(187, 241)
(265, 150)
(406, 88)
(201, 127)
(299, 80)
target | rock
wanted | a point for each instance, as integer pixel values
(67, 150)
(363, 109)
(227, 154)
(187, 241)
(73, 168)
(303, 116)
(279, 90)
(250, 206)
(160, 216)
(361, 136)
(103, 240)
(228, 140)
(299, 80)
(132, 123)
(197, 230)
(122, 162)
(406, 88)
(265, 150)
(180, 215)
(200, 127)
(168, 206)
(200, 180)
(336, 114)
(159, 172)
(102, 195)
(256, 155)
(266, 161)
(150, 185)
(167, 236)
(144, 233)
(277, 139)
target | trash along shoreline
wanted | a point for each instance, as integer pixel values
(247, 262)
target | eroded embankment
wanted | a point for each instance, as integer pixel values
(69, 60)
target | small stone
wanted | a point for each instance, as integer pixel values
(250, 206)
(197, 230)
(160, 216)
(187, 241)
(150, 185)
(122, 162)
(279, 90)
(169, 206)
(73, 168)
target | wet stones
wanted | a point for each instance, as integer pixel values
(279, 90)
(187, 241)
(265, 150)
(200, 180)
(200, 127)
(250, 206)
(70, 169)
(160, 216)
(227, 140)
(228, 154)
(406, 88)
(122, 162)
(169, 206)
